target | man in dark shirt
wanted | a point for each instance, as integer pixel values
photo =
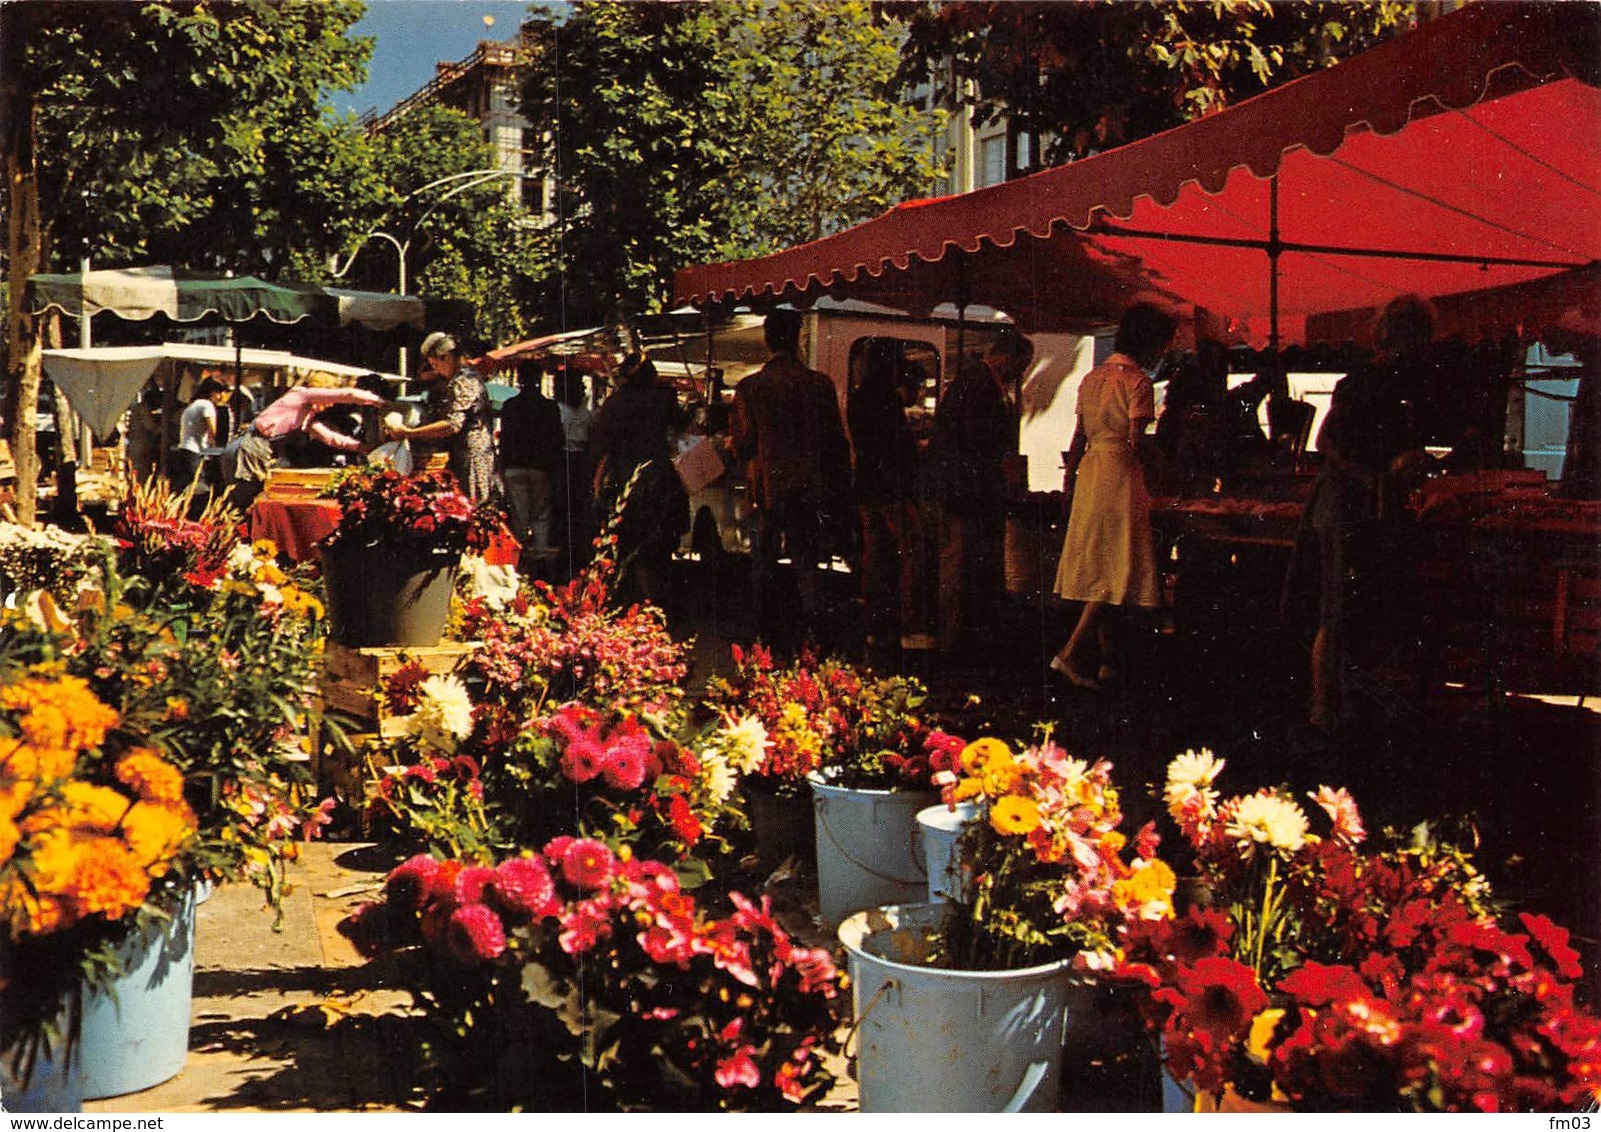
(975, 430)
(531, 443)
(786, 423)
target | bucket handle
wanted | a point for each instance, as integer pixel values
(1032, 1076)
(913, 843)
(872, 1004)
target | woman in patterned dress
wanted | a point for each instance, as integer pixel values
(458, 418)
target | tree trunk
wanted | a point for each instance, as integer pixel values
(25, 251)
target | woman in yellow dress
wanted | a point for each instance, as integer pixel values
(1107, 558)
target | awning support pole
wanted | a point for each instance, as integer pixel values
(1274, 250)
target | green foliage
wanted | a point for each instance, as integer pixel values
(197, 134)
(1093, 75)
(695, 132)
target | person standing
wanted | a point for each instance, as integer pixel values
(632, 442)
(144, 434)
(885, 489)
(1107, 556)
(573, 483)
(786, 425)
(197, 431)
(1371, 441)
(975, 430)
(458, 418)
(532, 444)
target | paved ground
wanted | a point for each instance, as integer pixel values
(293, 1021)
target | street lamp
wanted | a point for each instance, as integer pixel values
(471, 179)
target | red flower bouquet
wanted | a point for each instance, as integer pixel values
(382, 505)
(583, 955)
(1331, 975)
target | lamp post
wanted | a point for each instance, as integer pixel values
(471, 179)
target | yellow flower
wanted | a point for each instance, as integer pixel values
(152, 777)
(982, 752)
(1258, 1044)
(58, 715)
(264, 548)
(1147, 892)
(1014, 815)
(300, 603)
(969, 788)
(10, 835)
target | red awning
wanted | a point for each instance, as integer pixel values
(1460, 157)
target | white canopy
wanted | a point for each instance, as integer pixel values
(100, 383)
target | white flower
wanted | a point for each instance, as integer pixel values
(242, 560)
(717, 776)
(1267, 819)
(744, 742)
(444, 714)
(1198, 769)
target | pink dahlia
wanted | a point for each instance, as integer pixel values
(475, 934)
(588, 864)
(624, 767)
(523, 890)
(408, 885)
(470, 884)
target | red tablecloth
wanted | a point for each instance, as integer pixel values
(297, 525)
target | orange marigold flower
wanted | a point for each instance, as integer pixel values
(10, 835)
(151, 776)
(60, 714)
(26, 912)
(155, 834)
(23, 762)
(92, 874)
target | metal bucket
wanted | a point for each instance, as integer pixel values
(869, 849)
(942, 829)
(931, 1039)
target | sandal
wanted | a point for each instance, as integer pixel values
(1072, 675)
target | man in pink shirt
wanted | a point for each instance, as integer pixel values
(256, 453)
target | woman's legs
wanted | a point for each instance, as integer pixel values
(1065, 660)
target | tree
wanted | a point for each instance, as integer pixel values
(192, 133)
(686, 132)
(1094, 74)
(463, 236)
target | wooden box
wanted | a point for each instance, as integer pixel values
(353, 679)
(296, 483)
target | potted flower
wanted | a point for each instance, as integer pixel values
(95, 838)
(1331, 972)
(859, 744)
(600, 962)
(966, 1005)
(390, 563)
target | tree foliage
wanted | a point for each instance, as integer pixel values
(1094, 74)
(689, 132)
(189, 132)
(463, 235)
(198, 133)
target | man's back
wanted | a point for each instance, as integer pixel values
(786, 421)
(531, 434)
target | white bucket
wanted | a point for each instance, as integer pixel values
(869, 849)
(936, 1040)
(942, 837)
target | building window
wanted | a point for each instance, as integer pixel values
(991, 160)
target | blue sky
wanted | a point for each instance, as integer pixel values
(413, 35)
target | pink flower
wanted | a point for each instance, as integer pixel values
(739, 1068)
(470, 884)
(584, 925)
(584, 759)
(523, 890)
(624, 768)
(409, 883)
(588, 864)
(475, 934)
(1342, 811)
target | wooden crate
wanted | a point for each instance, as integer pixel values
(296, 483)
(353, 679)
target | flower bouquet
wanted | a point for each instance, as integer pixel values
(1052, 875)
(48, 559)
(826, 717)
(95, 839)
(159, 542)
(218, 679)
(1328, 973)
(428, 509)
(602, 960)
